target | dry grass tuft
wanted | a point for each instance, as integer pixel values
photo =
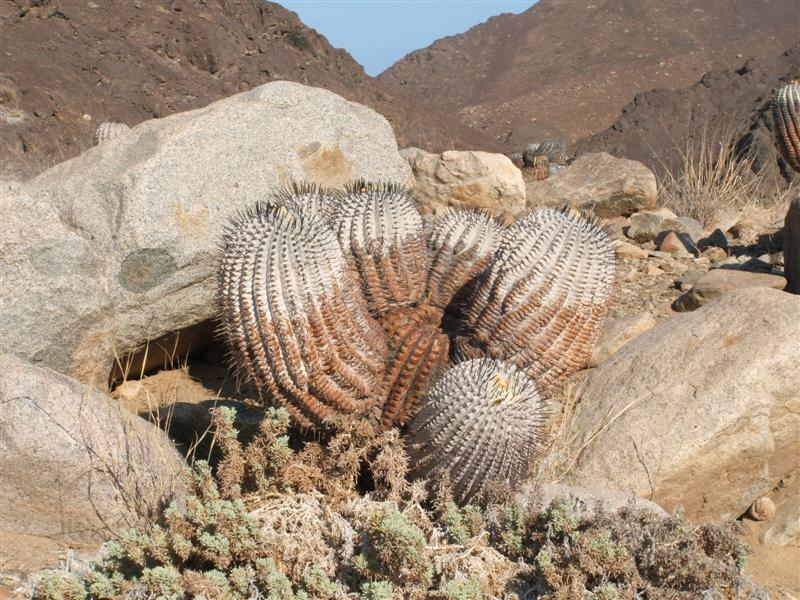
(714, 176)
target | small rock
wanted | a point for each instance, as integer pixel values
(691, 228)
(617, 332)
(672, 243)
(659, 254)
(719, 282)
(715, 254)
(651, 269)
(763, 509)
(630, 251)
(675, 267)
(647, 224)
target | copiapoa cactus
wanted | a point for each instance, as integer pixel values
(480, 422)
(786, 115)
(554, 150)
(342, 302)
(108, 130)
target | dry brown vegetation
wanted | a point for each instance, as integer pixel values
(285, 518)
(714, 177)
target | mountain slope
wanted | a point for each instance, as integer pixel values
(67, 66)
(567, 67)
(656, 126)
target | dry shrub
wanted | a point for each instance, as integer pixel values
(342, 521)
(714, 176)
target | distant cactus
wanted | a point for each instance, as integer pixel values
(107, 130)
(786, 114)
(482, 421)
(539, 168)
(294, 318)
(380, 228)
(542, 300)
(516, 158)
(336, 302)
(553, 149)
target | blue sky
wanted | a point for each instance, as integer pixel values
(379, 32)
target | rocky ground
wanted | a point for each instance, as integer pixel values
(110, 267)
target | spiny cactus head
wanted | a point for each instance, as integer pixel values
(306, 198)
(291, 319)
(553, 149)
(381, 231)
(786, 116)
(542, 299)
(108, 130)
(461, 244)
(480, 422)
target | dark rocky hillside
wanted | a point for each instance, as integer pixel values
(658, 125)
(567, 67)
(69, 65)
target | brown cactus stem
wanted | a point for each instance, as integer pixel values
(418, 353)
(786, 115)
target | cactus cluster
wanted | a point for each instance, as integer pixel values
(554, 150)
(343, 302)
(786, 116)
(107, 130)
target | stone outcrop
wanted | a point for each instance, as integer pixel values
(466, 180)
(598, 182)
(701, 411)
(119, 245)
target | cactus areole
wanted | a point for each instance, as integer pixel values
(341, 302)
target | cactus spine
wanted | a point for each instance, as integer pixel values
(542, 300)
(786, 115)
(379, 227)
(293, 317)
(482, 421)
(554, 150)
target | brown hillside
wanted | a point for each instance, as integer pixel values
(68, 66)
(568, 67)
(658, 126)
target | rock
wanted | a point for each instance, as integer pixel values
(466, 180)
(118, 246)
(672, 244)
(701, 411)
(785, 528)
(690, 230)
(715, 254)
(617, 332)
(653, 270)
(77, 467)
(599, 182)
(587, 501)
(719, 282)
(628, 250)
(763, 509)
(791, 246)
(647, 224)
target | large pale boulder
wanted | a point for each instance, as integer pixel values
(466, 180)
(599, 182)
(701, 411)
(76, 466)
(118, 246)
(791, 246)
